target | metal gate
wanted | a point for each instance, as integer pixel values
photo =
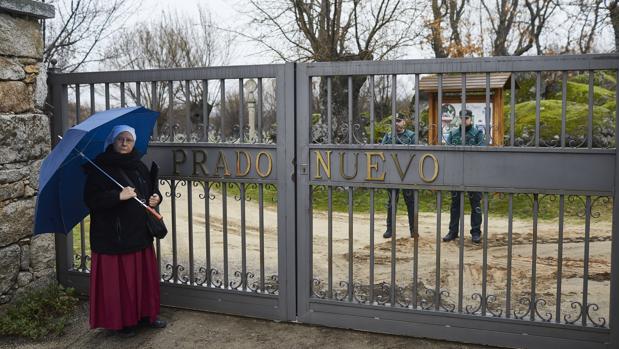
(206, 171)
(544, 274)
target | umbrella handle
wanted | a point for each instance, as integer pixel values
(154, 213)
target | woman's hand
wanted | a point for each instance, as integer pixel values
(127, 193)
(154, 200)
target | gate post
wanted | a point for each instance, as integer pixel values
(613, 312)
(287, 199)
(58, 119)
(304, 240)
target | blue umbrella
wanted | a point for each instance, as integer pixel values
(60, 201)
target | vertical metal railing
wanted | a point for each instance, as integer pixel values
(510, 201)
(395, 296)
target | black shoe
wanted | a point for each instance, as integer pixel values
(158, 324)
(476, 238)
(126, 332)
(450, 236)
(387, 234)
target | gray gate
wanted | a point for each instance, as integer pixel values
(209, 173)
(315, 174)
(350, 276)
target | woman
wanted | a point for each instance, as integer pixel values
(124, 280)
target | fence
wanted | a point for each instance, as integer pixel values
(278, 186)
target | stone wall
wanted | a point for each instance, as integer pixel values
(26, 261)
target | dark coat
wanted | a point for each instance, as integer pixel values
(472, 136)
(117, 226)
(406, 137)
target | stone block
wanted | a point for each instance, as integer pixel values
(12, 190)
(9, 267)
(26, 137)
(24, 264)
(24, 278)
(20, 37)
(10, 70)
(15, 97)
(40, 90)
(34, 169)
(35, 284)
(16, 221)
(34, 9)
(31, 69)
(21, 171)
(12, 174)
(29, 191)
(28, 61)
(42, 253)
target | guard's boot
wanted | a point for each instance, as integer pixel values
(476, 238)
(450, 236)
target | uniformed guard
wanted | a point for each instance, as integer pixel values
(472, 137)
(402, 136)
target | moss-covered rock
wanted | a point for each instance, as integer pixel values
(550, 118)
(579, 92)
(611, 105)
(604, 79)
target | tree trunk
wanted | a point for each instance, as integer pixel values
(613, 8)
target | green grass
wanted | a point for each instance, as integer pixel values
(522, 205)
(76, 235)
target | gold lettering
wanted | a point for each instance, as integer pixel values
(199, 163)
(402, 174)
(343, 165)
(374, 166)
(222, 163)
(269, 169)
(245, 172)
(421, 168)
(178, 162)
(320, 162)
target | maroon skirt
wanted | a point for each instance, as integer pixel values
(124, 288)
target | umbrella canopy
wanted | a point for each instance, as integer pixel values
(60, 201)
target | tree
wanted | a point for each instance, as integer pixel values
(613, 9)
(517, 26)
(75, 34)
(336, 30)
(174, 41)
(446, 38)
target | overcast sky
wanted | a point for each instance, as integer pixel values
(229, 14)
(226, 13)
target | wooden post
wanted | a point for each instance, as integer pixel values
(497, 118)
(433, 120)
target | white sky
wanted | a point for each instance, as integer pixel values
(224, 12)
(228, 14)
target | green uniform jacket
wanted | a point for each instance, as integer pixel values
(406, 137)
(472, 136)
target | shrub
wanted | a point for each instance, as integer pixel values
(39, 313)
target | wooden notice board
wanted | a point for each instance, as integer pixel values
(475, 97)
